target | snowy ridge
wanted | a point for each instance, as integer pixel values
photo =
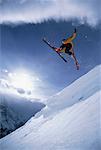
(69, 122)
(15, 111)
(78, 91)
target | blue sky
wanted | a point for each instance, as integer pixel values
(22, 29)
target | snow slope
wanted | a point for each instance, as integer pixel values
(15, 111)
(71, 120)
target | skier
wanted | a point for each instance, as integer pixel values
(67, 47)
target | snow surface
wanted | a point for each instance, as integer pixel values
(15, 111)
(71, 120)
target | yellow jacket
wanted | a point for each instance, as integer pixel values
(69, 40)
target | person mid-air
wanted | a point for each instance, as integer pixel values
(66, 47)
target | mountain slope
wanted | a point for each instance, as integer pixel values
(69, 122)
(15, 111)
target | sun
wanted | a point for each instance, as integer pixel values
(21, 80)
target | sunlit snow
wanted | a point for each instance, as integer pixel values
(70, 121)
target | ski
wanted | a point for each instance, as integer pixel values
(54, 49)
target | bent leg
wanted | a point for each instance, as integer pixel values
(76, 62)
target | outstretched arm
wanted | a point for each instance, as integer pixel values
(71, 38)
(74, 34)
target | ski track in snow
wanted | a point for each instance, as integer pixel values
(71, 120)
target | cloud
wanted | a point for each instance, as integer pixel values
(20, 91)
(40, 89)
(37, 11)
(5, 83)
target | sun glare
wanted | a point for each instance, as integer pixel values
(21, 80)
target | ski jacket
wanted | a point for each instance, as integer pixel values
(69, 40)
